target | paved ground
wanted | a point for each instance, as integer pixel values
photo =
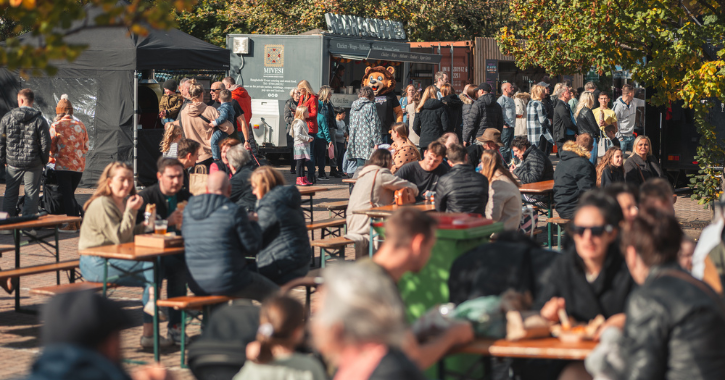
(19, 333)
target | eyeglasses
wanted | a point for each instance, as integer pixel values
(596, 231)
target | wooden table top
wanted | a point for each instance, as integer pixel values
(130, 251)
(43, 221)
(383, 211)
(349, 180)
(546, 348)
(311, 190)
(537, 187)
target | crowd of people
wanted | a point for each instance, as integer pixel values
(624, 256)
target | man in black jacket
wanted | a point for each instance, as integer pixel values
(535, 167)
(170, 198)
(462, 189)
(25, 148)
(218, 236)
(241, 164)
(484, 113)
(574, 175)
(564, 127)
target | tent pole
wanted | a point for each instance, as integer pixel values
(135, 128)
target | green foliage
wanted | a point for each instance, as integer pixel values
(424, 20)
(659, 41)
(50, 20)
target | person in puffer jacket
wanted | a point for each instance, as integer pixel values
(461, 189)
(675, 324)
(574, 175)
(218, 237)
(25, 148)
(485, 113)
(286, 252)
(431, 119)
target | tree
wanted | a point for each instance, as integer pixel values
(51, 21)
(209, 21)
(424, 20)
(673, 46)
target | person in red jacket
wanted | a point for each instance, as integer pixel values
(308, 99)
(245, 101)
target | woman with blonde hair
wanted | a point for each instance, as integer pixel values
(309, 99)
(587, 123)
(409, 103)
(402, 148)
(538, 127)
(504, 197)
(110, 219)
(641, 165)
(431, 119)
(285, 253)
(170, 142)
(611, 170)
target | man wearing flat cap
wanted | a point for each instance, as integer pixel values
(81, 336)
(485, 113)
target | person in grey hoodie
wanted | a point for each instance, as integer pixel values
(25, 148)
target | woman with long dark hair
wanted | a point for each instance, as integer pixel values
(611, 169)
(504, 197)
(402, 148)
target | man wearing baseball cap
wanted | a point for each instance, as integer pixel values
(485, 113)
(490, 139)
(82, 337)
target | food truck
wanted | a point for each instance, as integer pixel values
(269, 66)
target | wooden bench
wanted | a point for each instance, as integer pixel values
(69, 288)
(559, 222)
(336, 246)
(185, 303)
(328, 227)
(69, 265)
(339, 209)
(6, 248)
(313, 279)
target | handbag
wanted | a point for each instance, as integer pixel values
(602, 145)
(404, 196)
(330, 150)
(197, 180)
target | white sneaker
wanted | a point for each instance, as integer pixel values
(174, 335)
(149, 309)
(148, 342)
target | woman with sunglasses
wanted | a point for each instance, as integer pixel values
(590, 278)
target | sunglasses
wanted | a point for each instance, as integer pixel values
(596, 231)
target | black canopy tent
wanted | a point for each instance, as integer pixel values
(102, 84)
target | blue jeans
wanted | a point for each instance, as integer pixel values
(507, 136)
(92, 270)
(627, 143)
(594, 152)
(31, 180)
(216, 137)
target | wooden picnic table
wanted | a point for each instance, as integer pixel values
(545, 348)
(350, 183)
(132, 252)
(311, 191)
(386, 211)
(54, 221)
(542, 188)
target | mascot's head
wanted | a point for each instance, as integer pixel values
(381, 79)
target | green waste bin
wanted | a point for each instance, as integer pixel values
(456, 235)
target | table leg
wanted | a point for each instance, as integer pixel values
(551, 215)
(105, 276)
(57, 255)
(372, 238)
(16, 281)
(312, 217)
(156, 309)
(183, 338)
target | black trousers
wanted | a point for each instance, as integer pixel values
(67, 184)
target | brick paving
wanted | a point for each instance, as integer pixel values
(19, 333)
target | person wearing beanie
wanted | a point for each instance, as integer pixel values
(485, 113)
(170, 102)
(68, 148)
(81, 335)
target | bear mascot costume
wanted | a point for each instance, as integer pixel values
(382, 81)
